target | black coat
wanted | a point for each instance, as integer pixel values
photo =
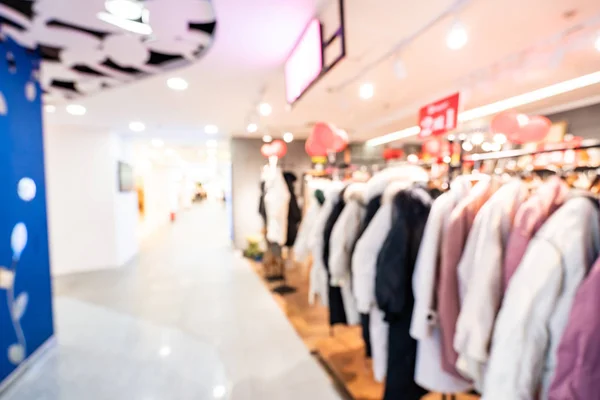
(294, 213)
(337, 312)
(393, 290)
(372, 207)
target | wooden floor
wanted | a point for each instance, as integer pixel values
(342, 349)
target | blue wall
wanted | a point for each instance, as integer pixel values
(23, 227)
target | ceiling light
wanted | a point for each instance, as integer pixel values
(267, 139)
(170, 152)
(366, 91)
(457, 36)
(251, 128)
(392, 137)
(288, 137)
(127, 9)
(467, 146)
(487, 146)
(49, 108)
(502, 105)
(211, 129)
(76, 109)
(265, 109)
(164, 351)
(400, 69)
(211, 143)
(499, 138)
(477, 139)
(597, 44)
(157, 143)
(177, 83)
(126, 24)
(137, 126)
(531, 97)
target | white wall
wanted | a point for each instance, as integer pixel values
(92, 226)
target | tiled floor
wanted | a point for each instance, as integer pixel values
(187, 320)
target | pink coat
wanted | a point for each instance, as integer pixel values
(577, 375)
(453, 241)
(528, 220)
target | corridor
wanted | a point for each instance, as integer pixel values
(188, 319)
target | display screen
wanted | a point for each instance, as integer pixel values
(126, 183)
(305, 63)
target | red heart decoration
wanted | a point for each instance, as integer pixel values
(276, 148)
(392, 154)
(506, 123)
(328, 137)
(536, 130)
(314, 149)
(279, 148)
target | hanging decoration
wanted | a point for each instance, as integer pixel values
(392, 153)
(277, 148)
(535, 130)
(508, 123)
(521, 128)
(314, 149)
(331, 138)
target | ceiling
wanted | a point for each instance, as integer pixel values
(514, 46)
(251, 42)
(83, 54)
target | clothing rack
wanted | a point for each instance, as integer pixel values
(584, 145)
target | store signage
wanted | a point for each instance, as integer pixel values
(437, 118)
(305, 63)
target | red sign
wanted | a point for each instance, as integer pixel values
(440, 117)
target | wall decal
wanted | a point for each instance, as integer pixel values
(83, 53)
(25, 286)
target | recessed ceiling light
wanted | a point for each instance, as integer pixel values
(457, 36)
(137, 126)
(467, 146)
(366, 91)
(126, 9)
(76, 109)
(49, 108)
(211, 129)
(251, 128)
(265, 109)
(177, 83)
(157, 143)
(211, 143)
(288, 137)
(140, 28)
(267, 138)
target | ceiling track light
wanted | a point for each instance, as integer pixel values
(366, 91)
(457, 36)
(502, 105)
(288, 137)
(265, 109)
(252, 128)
